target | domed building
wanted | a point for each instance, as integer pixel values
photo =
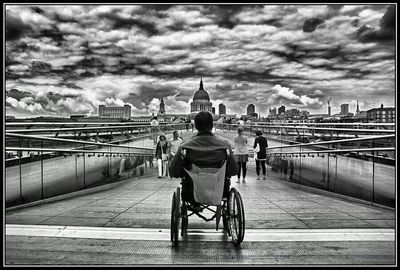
(201, 100)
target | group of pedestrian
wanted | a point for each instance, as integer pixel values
(166, 150)
(242, 155)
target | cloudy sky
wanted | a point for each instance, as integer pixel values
(63, 60)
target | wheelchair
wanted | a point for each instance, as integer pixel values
(230, 208)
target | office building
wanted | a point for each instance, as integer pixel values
(115, 112)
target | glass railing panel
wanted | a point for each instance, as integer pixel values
(384, 185)
(31, 177)
(126, 165)
(314, 168)
(96, 168)
(291, 165)
(13, 183)
(62, 173)
(350, 176)
(273, 163)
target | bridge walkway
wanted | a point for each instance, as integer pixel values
(130, 225)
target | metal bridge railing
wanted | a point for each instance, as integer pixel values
(362, 167)
(46, 166)
(13, 135)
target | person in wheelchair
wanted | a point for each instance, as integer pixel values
(203, 150)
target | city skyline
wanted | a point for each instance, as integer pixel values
(63, 60)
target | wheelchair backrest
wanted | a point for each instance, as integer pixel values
(208, 183)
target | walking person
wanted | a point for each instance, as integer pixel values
(241, 154)
(240, 122)
(260, 149)
(174, 144)
(162, 150)
(154, 129)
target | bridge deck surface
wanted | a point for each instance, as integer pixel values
(278, 217)
(129, 224)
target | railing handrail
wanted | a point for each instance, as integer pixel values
(78, 123)
(328, 124)
(74, 151)
(85, 128)
(318, 128)
(73, 141)
(336, 141)
(332, 142)
(334, 151)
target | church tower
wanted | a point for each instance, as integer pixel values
(162, 108)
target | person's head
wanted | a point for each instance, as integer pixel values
(176, 134)
(240, 131)
(258, 133)
(203, 121)
(162, 138)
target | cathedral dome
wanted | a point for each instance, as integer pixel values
(201, 94)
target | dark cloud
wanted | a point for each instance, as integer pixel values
(40, 67)
(118, 22)
(14, 26)
(37, 10)
(54, 33)
(273, 22)
(10, 61)
(56, 97)
(147, 92)
(254, 76)
(63, 19)
(224, 15)
(157, 7)
(311, 24)
(69, 85)
(388, 20)
(18, 95)
(385, 33)
(90, 62)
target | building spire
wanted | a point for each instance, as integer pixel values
(201, 83)
(358, 109)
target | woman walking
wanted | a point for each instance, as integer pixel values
(241, 154)
(162, 150)
(260, 149)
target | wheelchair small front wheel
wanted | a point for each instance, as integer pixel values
(185, 220)
(175, 216)
(236, 218)
(225, 217)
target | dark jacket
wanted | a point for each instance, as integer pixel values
(263, 147)
(164, 149)
(204, 150)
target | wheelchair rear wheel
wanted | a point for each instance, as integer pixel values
(175, 216)
(236, 220)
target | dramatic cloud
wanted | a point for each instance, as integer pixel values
(311, 24)
(284, 95)
(62, 60)
(14, 26)
(386, 31)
